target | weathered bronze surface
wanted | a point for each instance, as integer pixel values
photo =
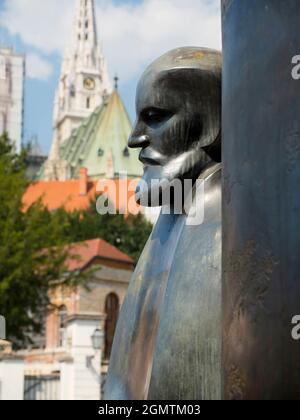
(261, 157)
(168, 340)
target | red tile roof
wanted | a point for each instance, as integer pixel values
(87, 251)
(56, 194)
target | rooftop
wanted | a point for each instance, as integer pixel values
(100, 143)
(89, 251)
(77, 194)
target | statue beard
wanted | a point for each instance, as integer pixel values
(159, 183)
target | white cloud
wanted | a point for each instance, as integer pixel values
(132, 34)
(43, 24)
(37, 67)
(135, 35)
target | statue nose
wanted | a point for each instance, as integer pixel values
(138, 141)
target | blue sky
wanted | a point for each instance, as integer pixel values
(38, 93)
(133, 33)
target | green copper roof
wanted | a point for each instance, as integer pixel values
(100, 143)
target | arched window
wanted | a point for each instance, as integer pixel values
(62, 325)
(112, 314)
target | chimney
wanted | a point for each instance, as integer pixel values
(83, 182)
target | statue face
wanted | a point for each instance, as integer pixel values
(178, 121)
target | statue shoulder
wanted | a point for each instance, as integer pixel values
(212, 171)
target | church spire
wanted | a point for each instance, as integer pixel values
(84, 27)
(84, 82)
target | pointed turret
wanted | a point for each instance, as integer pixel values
(84, 39)
(84, 82)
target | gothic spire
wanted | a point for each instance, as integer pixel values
(84, 82)
(85, 30)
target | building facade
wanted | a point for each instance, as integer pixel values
(83, 85)
(61, 363)
(12, 76)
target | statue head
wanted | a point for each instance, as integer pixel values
(178, 127)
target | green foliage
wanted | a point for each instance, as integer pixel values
(26, 269)
(128, 234)
(33, 245)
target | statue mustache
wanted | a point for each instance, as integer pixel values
(177, 165)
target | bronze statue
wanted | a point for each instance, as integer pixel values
(168, 340)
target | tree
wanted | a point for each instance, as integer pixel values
(32, 249)
(33, 246)
(128, 234)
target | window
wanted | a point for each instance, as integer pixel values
(2, 123)
(100, 152)
(2, 68)
(112, 313)
(72, 91)
(88, 103)
(62, 325)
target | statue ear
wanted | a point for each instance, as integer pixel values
(214, 150)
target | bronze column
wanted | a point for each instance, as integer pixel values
(261, 199)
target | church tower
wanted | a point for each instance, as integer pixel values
(83, 84)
